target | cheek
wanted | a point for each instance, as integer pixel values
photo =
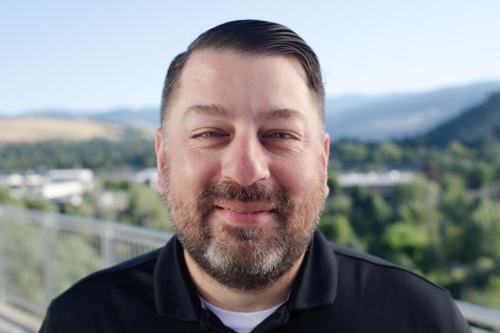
(304, 177)
(191, 170)
(296, 174)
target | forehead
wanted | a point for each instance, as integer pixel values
(229, 63)
(240, 82)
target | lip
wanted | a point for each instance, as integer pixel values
(245, 207)
(245, 213)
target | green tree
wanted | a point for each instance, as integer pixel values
(488, 296)
(369, 216)
(456, 207)
(350, 152)
(84, 209)
(39, 204)
(7, 199)
(406, 243)
(146, 208)
(338, 229)
(418, 209)
(487, 219)
(418, 202)
(456, 203)
(387, 153)
(339, 204)
(458, 150)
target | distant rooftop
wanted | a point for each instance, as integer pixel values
(376, 179)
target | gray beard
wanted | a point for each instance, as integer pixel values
(245, 262)
(239, 257)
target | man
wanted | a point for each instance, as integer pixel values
(242, 162)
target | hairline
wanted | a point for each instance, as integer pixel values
(318, 97)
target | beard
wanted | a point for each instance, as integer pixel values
(244, 258)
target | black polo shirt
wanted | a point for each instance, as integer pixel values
(337, 290)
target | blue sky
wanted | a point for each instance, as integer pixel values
(98, 55)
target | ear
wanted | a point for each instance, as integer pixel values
(326, 156)
(160, 158)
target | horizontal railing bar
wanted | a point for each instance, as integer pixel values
(479, 315)
(24, 303)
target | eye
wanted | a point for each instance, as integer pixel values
(209, 134)
(281, 135)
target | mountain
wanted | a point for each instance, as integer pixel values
(133, 118)
(74, 126)
(367, 118)
(400, 115)
(473, 126)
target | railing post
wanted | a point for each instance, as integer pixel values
(3, 287)
(107, 235)
(47, 258)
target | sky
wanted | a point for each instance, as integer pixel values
(97, 55)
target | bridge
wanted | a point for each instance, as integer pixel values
(42, 254)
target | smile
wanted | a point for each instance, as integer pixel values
(245, 208)
(245, 211)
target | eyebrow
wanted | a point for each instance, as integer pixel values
(218, 111)
(208, 110)
(277, 114)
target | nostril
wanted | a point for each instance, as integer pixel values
(245, 162)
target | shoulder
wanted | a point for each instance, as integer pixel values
(132, 269)
(105, 290)
(389, 290)
(372, 271)
(351, 257)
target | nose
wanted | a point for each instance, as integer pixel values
(245, 161)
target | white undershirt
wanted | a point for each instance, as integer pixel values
(241, 322)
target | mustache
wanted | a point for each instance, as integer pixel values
(278, 196)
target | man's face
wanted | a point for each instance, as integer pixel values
(243, 165)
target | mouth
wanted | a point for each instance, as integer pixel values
(245, 207)
(245, 213)
(239, 211)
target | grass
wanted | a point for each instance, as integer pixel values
(35, 129)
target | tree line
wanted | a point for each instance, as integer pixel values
(93, 154)
(444, 225)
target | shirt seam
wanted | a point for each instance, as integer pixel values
(389, 266)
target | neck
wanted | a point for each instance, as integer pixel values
(241, 301)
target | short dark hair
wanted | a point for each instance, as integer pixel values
(249, 37)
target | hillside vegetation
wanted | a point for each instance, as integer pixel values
(401, 116)
(472, 127)
(131, 150)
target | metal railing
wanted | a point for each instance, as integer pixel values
(478, 315)
(42, 254)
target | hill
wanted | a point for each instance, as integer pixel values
(402, 115)
(148, 117)
(473, 126)
(36, 129)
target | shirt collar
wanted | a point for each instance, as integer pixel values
(176, 297)
(175, 293)
(316, 282)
